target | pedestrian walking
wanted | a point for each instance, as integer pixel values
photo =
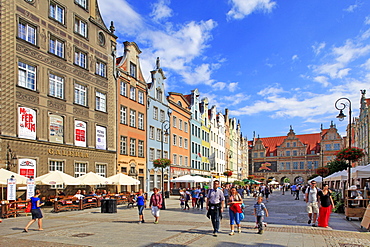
(187, 199)
(298, 188)
(235, 202)
(156, 204)
(312, 204)
(267, 193)
(202, 196)
(325, 205)
(260, 211)
(215, 203)
(35, 211)
(226, 194)
(141, 204)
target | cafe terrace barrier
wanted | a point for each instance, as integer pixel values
(13, 209)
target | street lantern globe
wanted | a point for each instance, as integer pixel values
(341, 115)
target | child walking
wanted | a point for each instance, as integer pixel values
(182, 202)
(260, 211)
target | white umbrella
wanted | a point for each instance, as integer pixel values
(200, 179)
(5, 175)
(57, 177)
(273, 182)
(92, 178)
(190, 179)
(122, 179)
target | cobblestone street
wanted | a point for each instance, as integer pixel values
(287, 226)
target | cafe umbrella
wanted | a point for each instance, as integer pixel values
(92, 178)
(5, 175)
(57, 177)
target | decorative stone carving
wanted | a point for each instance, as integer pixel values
(80, 112)
(56, 105)
(27, 97)
(101, 117)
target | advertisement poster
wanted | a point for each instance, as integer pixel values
(101, 137)
(27, 167)
(26, 123)
(11, 189)
(30, 188)
(56, 129)
(80, 133)
(270, 166)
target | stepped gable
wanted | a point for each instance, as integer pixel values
(312, 141)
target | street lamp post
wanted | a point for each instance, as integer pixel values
(230, 156)
(340, 106)
(11, 157)
(165, 129)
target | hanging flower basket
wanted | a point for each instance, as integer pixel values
(161, 163)
(323, 171)
(352, 154)
(228, 173)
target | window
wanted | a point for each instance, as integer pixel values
(165, 139)
(186, 143)
(287, 153)
(174, 140)
(26, 76)
(141, 149)
(123, 145)
(185, 161)
(80, 94)
(295, 165)
(100, 68)
(151, 132)
(174, 161)
(141, 121)
(180, 141)
(295, 152)
(180, 124)
(255, 155)
(288, 145)
(132, 70)
(336, 146)
(132, 146)
(151, 154)
(132, 93)
(186, 127)
(81, 27)
(315, 164)
(159, 154)
(123, 115)
(56, 166)
(80, 59)
(57, 12)
(174, 120)
(261, 154)
(132, 118)
(309, 164)
(180, 160)
(159, 94)
(123, 88)
(288, 165)
(141, 97)
(82, 3)
(165, 154)
(56, 86)
(101, 170)
(327, 146)
(80, 169)
(56, 47)
(301, 165)
(100, 100)
(162, 116)
(123, 169)
(159, 134)
(155, 113)
(27, 32)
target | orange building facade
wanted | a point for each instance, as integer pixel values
(132, 97)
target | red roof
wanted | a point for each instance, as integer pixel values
(188, 98)
(118, 60)
(310, 140)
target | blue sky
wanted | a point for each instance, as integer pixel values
(272, 63)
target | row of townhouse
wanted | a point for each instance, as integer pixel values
(68, 103)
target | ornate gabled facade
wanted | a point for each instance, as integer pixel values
(131, 112)
(217, 142)
(361, 128)
(58, 87)
(158, 118)
(295, 157)
(180, 150)
(205, 136)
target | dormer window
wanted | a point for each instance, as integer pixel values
(159, 95)
(133, 70)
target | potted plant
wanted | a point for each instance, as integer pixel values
(228, 173)
(352, 154)
(161, 163)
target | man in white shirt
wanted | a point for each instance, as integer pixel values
(312, 205)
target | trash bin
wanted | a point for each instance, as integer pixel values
(109, 206)
(167, 194)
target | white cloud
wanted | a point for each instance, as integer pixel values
(367, 20)
(318, 47)
(352, 8)
(219, 85)
(295, 57)
(323, 80)
(161, 11)
(271, 90)
(242, 8)
(235, 99)
(233, 86)
(366, 65)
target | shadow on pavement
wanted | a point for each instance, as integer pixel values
(223, 244)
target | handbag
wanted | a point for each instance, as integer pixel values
(28, 208)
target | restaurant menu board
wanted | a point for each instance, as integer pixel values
(26, 123)
(30, 188)
(11, 189)
(101, 137)
(56, 129)
(80, 133)
(27, 167)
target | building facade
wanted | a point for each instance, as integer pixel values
(131, 135)
(361, 128)
(58, 91)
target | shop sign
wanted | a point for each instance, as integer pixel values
(26, 123)
(53, 151)
(27, 167)
(80, 133)
(56, 129)
(30, 188)
(101, 137)
(11, 189)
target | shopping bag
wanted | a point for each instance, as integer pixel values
(28, 208)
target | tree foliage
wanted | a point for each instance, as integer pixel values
(336, 166)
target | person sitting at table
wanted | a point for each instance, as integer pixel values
(78, 195)
(61, 193)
